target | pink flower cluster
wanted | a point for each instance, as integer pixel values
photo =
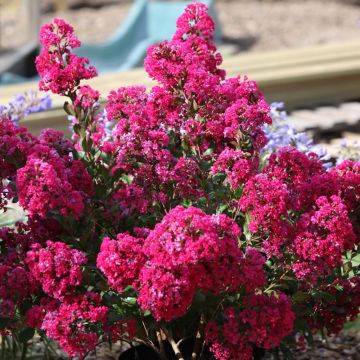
(324, 235)
(51, 182)
(161, 138)
(57, 267)
(339, 306)
(194, 250)
(61, 71)
(70, 323)
(86, 97)
(299, 208)
(264, 322)
(236, 165)
(75, 323)
(17, 283)
(14, 143)
(188, 250)
(47, 177)
(121, 260)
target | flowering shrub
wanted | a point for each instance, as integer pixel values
(169, 215)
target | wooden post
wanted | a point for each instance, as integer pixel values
(61, 5)
(33, 13)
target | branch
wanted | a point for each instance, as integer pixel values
(148, 344)
(161, 345)
(174, 345)
(199, 338)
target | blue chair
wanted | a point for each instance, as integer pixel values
(147, 23)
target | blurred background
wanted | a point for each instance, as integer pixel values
(248, 25)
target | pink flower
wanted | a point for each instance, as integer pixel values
(267, 201)
(264, 322)
(121, 260)
(17, 282)
(35, 316)
(166, 294)
(49, 182)
(57, 267)
(340, 306)
(73, 324)
(236, 165)
(60, 70)
(188, 250)
(324, 235)
(86, 97)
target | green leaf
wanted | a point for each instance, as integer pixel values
(218, 178)
(26, 335)
(114, 317)
(221, 208)
(4, 322)
(300, 296)
(202, 201)
(199, 299)
(238, 192)
(130, 301)
(84, 144)
(110, 298)
(68, 108)
(347, 267)
(186, 203)
(25, 306)
(127, 179)
(339, 287)
(77, 128)
(288, 278)
(81, 154)
(324, 295)
(209, 151)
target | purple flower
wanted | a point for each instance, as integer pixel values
(25, 104)
(280, 133)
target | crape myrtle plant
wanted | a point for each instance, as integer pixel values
(161, 220)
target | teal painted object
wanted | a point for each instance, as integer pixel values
(8, 78)
(147, 23)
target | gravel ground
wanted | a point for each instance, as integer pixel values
(268, 25)
(345, 346)
(251, 25)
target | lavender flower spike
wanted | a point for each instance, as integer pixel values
(25, 104)
(281, 133)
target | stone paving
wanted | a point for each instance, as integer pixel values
(329, 124)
